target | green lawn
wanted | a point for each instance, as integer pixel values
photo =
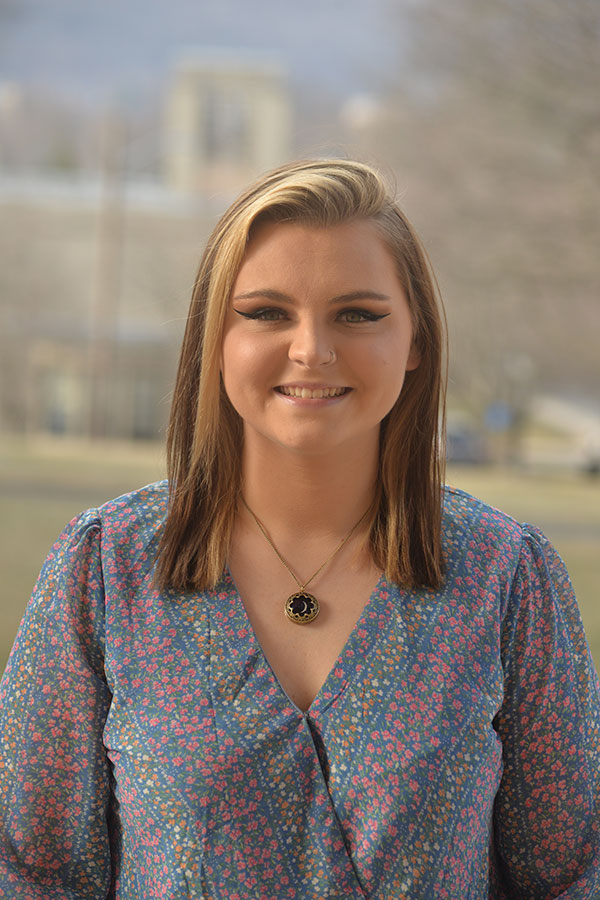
(43, 485)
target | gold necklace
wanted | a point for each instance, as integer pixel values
(302, 607)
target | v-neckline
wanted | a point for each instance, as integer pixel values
(233, 617)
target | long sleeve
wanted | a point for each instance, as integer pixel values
(547, 811)
(54, 776)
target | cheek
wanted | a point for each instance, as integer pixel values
(235, 355)
(247, 364)
(230, 365)
(391, 359)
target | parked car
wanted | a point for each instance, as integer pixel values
(465, 444)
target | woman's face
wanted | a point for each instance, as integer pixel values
(317, 338)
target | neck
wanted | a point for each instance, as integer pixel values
(295, 493)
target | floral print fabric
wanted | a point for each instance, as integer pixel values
(148, 750)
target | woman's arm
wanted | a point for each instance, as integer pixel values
(54, 776)
(547, 812)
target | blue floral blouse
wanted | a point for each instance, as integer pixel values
(148, 750)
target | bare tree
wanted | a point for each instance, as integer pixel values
(495, 136)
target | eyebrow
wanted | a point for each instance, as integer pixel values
(278, 296)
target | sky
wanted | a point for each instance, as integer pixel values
(92, 50)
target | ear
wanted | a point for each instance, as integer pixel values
(414, 358)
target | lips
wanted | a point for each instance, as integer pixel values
(311, 393)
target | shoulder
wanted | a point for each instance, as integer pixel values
(480, 539)
(465, 515)
(491, 545)
(119, 537)
(139, 513)
(128, 524)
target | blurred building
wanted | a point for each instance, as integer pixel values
(125, 398)
(93, 298)
(97, 265)
(228, 118)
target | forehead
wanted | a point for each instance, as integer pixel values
(351, 251)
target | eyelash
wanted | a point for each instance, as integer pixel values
(365, 315)
(262, 315)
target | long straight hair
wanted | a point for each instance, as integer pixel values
(205, 434)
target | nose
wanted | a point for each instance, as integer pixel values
(311, 345)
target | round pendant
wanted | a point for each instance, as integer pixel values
(302, 608)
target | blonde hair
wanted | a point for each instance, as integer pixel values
(205, 433)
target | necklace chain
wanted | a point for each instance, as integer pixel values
(309, 605)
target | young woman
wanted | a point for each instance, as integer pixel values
(301, 668)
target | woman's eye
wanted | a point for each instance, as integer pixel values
(265, 314)
(353, 316)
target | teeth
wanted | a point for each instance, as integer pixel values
(306, 393)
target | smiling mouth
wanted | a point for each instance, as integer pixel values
(308, 394)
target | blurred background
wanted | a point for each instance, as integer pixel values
(126, 128)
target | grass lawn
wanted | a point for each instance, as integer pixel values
(43, 485)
